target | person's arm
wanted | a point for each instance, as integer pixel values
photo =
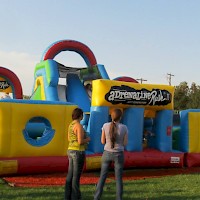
(125, 139)
(126, 136)
(80, 135)
(103, 137)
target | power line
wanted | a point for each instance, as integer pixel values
(170, 78)
(141, 80)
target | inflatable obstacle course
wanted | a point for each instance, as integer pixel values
(36, 142)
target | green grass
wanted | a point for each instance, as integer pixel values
(179, 187)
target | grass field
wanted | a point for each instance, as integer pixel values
(179, 187)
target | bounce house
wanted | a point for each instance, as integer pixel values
(33, 133)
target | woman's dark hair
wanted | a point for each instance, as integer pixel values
(77, 113)
(116, 116)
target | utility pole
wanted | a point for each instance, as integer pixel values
(141, 80)
(169, 78)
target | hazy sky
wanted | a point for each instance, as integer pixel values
(136, 38)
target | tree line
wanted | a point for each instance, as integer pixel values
(186, 97)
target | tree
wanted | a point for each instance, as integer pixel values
(194, 96)
(26, 97)
(181, 96)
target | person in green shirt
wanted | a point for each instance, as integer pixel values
(76, 155)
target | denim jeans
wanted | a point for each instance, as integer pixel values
(107, 159)
(75, 168)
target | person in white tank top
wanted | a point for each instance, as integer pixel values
(115, 137)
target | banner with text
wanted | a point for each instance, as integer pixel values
(126, 94)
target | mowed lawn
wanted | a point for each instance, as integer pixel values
(178, 187)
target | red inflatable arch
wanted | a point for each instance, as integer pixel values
(70, 45)
(126, 79)
(13, 81)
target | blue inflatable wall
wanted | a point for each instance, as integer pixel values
(133, 118)
(163, 130)
(76, 92)
(98, 116)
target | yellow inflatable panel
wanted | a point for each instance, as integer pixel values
(125, 94)
(13, 119)
(5, 128)
(150, 113)
(40, 82)
(93, 162)
(8, 167)
(194, 132)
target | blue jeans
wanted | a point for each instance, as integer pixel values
(107, 159)
(75, 168)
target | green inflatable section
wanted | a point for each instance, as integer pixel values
(37, 94)
(175, 138)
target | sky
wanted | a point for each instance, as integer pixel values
(145, 39)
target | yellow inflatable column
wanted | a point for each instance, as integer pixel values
(194, 132)
(5, 128)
